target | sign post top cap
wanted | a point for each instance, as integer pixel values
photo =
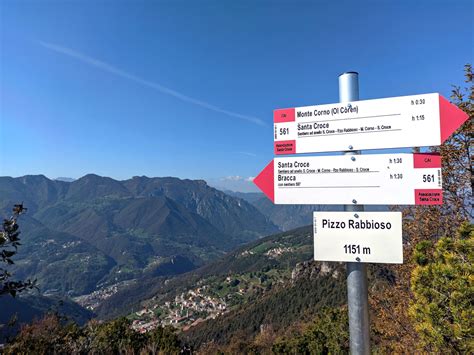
(349, 72)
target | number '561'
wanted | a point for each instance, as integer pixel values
(428, 178)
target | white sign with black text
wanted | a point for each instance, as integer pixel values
(367, 237)
(394, 122)
(371, 179)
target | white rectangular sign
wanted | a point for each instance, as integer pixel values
(367, 237)
(395, 122)
(394, 179)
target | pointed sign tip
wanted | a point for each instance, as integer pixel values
(451, 118)
(265, 181)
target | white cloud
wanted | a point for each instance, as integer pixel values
(232, 178)
(233, 183)
(151, 84)
(237, 178)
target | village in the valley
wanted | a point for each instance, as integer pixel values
(186, 310)
(210, 300)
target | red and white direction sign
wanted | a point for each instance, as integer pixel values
(372, 179)
(367, 237)
(396, 122)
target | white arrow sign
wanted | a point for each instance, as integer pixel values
(368, 237)
(395, 179)
(396, 122)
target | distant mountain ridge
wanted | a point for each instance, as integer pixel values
(112, 230)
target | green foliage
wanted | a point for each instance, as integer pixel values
(443, 288)
(52, 335)
(47, 336)
(164, 339)
(327, 335)
(9, 242)
(115, 335)
(421, 252)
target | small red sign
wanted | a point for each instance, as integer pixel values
(285, 147)
(284, 115)
(429, 196)
(426, 160)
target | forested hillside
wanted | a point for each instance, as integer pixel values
(295, 246)
(269, 284)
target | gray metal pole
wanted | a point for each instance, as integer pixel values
(357, 297)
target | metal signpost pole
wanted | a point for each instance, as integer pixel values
(357, 297)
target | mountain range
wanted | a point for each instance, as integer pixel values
(95, 231)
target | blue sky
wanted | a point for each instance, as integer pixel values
(187, 88)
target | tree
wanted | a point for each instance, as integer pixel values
(114, 337)
(47, 336)
(390, 301)
(328, 334)
(9, 242)
(457, 156)
(163, 339)
(56, 335)
(443, 288)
